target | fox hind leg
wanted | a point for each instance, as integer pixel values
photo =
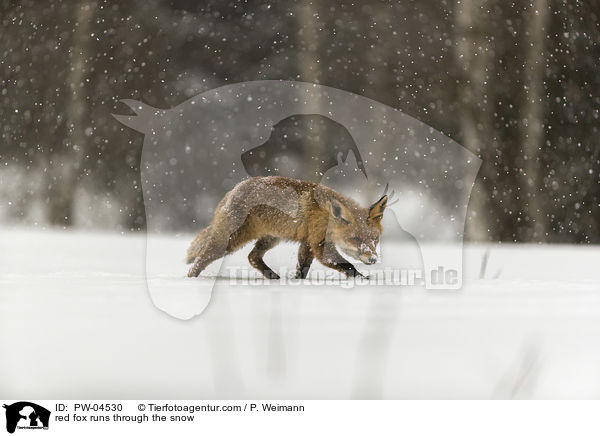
(225, 235)
(255, 257)
(305, 258)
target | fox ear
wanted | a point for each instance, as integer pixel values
(376, 210)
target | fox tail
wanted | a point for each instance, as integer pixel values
(197, 245)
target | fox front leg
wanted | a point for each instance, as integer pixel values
(327, 254)
(305, 258)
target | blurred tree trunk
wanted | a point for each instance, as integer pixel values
(474, 56)
(379, 75)
(65, 168)
(533, 116)
(308, 34)
(310, 71)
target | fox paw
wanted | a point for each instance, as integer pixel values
(272, 275)
(353, 273)
(301, 273)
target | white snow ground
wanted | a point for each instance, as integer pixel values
(76, 321)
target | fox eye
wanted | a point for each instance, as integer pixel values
(345, 221)
(356, 239)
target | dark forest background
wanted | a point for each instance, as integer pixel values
(518, 83)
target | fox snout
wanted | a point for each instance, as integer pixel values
(368, 257)
(370, 261)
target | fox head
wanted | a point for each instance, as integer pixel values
(356, 230)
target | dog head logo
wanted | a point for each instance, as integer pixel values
(284, 153)
(26, 415)
(197, 151)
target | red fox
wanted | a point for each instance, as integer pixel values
(271, 209)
